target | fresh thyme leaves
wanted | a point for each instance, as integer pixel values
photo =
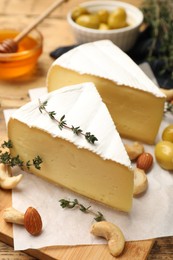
(37, 161)
(63, 124)
(90, 138)
(159, 16)
(7, 144)
(6, 158)
(42, 106)
(76, 130)
(52, 114)
(75, 203)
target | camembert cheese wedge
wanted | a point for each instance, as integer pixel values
(100, 171)
(135, 103)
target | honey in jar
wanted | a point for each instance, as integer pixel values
(13, 65)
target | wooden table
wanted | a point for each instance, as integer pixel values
(14, 93)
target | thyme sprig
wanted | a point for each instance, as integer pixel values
(63, 124)
(75, 203)
(6, 158)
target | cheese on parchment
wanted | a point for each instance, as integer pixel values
(135, 103)
(100, 171)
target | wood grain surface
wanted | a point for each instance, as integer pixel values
(14, 93)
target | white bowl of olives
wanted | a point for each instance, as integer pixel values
(98, 20)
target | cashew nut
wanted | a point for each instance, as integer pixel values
(168, 93)
(134, 150)
(7, 181)
(140, 181)
(112, 234)
(13, 216)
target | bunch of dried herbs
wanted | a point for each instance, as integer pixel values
(158, 15)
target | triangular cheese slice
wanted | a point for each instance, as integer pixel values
(101, 171)
(135, 103)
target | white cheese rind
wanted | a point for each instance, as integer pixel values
(82, 106)
(115, 65)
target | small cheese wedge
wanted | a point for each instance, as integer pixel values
(100, 171)
(135, 103)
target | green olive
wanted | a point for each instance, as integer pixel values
(79, 10)
(167, 134)
(117, 19)
(164, 154)
(103, 15)
(103, 26)
(88, 20)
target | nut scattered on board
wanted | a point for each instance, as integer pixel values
(31, 219)
(145, 161)
(140, 181)
(134, 150)
(168, 93)
(7, 181)
(112, 234)
(12, 215)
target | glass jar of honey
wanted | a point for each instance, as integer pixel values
(14, 65)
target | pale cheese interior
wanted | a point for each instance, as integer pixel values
(137, 114)
(77, 169)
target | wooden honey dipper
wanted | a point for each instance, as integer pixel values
(11, 45)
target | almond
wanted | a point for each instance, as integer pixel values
(32, 221)
(144, 161)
